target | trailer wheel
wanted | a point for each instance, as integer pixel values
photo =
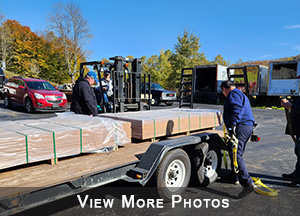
(172, 175)
(206, 162)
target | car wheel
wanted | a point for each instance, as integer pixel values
(169, 103)
(28, 105)
(7, 102)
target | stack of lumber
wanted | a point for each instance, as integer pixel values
(68, 134)
(157, 123)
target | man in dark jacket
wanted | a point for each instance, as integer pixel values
(238, 119)
(295, 122)
(84, 100)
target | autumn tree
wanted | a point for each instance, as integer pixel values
(186, 55)
(69, 25)
(6, 43)
(37, 56)
(220, 60)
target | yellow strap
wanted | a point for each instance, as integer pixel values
(270, 192)
(225, 159)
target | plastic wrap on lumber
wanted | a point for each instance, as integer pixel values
(66, 135)
(157, 123)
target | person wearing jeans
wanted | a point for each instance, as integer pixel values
(239, 120)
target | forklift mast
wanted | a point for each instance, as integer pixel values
(126, 84)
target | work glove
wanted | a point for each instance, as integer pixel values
(231, 130)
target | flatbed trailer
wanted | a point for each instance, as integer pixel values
(32, 185)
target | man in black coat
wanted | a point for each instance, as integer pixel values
(84, 100)
(295, 122)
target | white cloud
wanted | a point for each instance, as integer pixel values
(296, 47)
(292, 26)
(265, 56)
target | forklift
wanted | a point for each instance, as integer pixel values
(127, 91)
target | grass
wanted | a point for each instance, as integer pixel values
(273, 107)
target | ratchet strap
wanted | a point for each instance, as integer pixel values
(224, 151)
(234, 142)
(270, 192)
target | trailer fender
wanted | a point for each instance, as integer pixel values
(156, 152)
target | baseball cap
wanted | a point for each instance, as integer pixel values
(93, 75)
(106, 72)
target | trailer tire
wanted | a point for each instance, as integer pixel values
(172, 175)
(206, 162)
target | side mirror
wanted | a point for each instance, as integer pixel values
(21, 87)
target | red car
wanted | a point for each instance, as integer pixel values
(34, 95)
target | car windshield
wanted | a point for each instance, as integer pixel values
(39, 85)
(156, 86)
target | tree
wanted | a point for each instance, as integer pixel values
(164, 68)
(186, 55)
(70, 26)
(220, 60)
(6, 43)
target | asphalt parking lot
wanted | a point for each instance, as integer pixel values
(266, 159)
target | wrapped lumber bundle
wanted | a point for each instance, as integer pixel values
(157, 123)
(97, 133)
(12, 147)
(43, 142)
(66, 135)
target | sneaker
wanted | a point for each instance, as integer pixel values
(296, 184)
(247, 190)
(289, 177)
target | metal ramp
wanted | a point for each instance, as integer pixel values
(187, 83)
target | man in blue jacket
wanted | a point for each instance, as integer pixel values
(238, 119)
(84, 100)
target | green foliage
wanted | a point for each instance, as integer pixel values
(186, 55)
(220, 60)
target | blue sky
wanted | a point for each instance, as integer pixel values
(247, 30)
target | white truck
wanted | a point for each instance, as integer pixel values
(284, 79)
